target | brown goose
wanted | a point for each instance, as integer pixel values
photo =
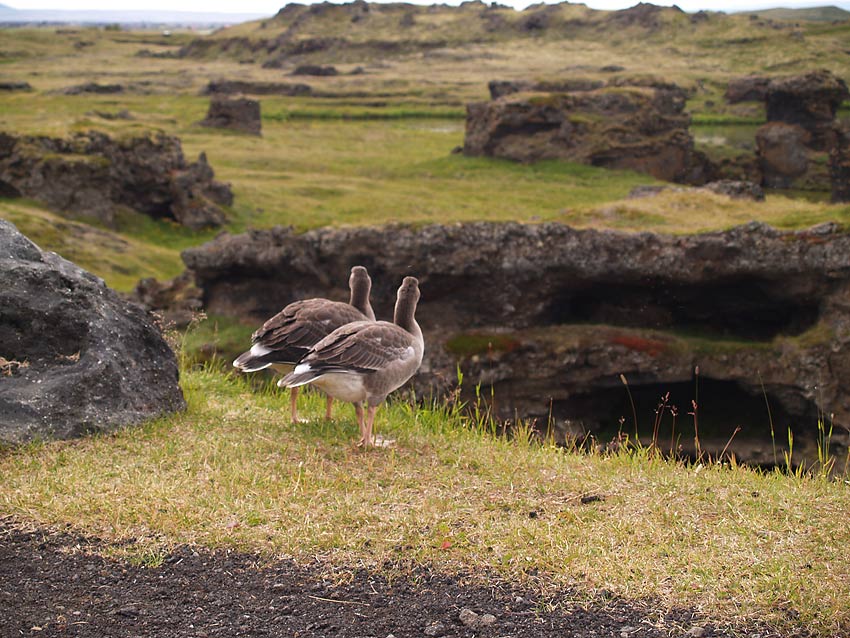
(365, 361)
(288, 336)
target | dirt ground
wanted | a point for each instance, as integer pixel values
(54, 584)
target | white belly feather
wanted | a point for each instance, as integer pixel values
(343, 386)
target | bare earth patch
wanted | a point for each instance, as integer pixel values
(56, 584)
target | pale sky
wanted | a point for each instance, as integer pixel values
(271, 7)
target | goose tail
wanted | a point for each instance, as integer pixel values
(302, 375)
(253, 360)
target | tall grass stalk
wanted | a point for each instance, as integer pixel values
(769, 417)
(695, 414)
(632, 402)
(826, 462)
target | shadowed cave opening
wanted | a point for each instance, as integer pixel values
(722, 407)
(757, 310)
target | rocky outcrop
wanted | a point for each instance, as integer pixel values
(91, 173)
(752, 88)
(80, 359)
(230, 87)
(792, 148)
(809, 101)
(15, 86)
(93, 87)
(783, 154)
(629, 127)
(552, 315)
(315, 69)
(236, 114)
(839, 166)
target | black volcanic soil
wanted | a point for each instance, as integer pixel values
(52, 584)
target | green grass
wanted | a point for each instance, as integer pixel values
(216, 336)
(120, 259)
(739, 544)
(375, 148)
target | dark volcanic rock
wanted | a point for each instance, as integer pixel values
(91, 173)
(633, 127)
(15, 86)
(237, 114)
(229, 87)
(783, 153)
(810, 101)
(752, 88)
(567, 311)
(315, 69)
(839, 166)
(88, 361)
(93, 87)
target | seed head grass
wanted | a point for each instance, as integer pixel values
(231, 471)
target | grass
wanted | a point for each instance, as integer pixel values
(232, 471)
(121, 259)
(375, 147)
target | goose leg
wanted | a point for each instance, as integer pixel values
(368, 439)
(328, 405)
(358, 410)
(293, 404)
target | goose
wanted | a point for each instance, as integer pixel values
(288, 336)
(364, 361)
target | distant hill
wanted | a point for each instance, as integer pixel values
(808, 14)
(9, 15)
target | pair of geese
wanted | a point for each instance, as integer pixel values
(341, 349)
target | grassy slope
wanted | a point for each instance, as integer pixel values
(231, 471)
(308, 170)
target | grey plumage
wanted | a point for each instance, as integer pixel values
(289, 335)
(365, 361)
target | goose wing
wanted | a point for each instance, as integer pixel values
(361, 347)
(299, 326)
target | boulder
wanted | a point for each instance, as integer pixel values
(79, 358)
(628, 127)
(90, 174)
(93, 87)
(315, 69)
(839, 166)
(237, 114)
(752, 88)
(230, 87)
(783, 153)
(551, 315)
(809, 101)
(15, 86)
